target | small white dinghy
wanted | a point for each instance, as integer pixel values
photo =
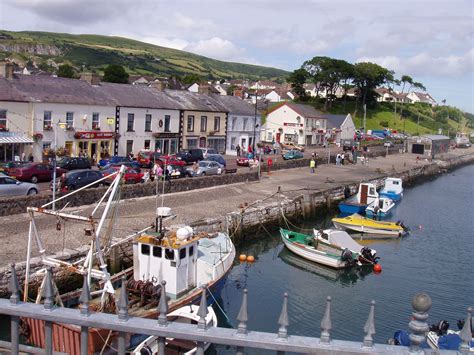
(343, 240)
(380, 207)
(186, 314)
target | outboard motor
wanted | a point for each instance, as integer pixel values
(441, 328)
(369, 254)
(346, 256)
(347, 192)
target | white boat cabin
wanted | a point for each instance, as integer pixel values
(367, 193)
(171, 256)
(393, 185)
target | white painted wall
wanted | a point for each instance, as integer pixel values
(241, 132)
(194, 88)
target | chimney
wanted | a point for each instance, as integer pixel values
(91, 78)
(158, 85)
(238, 93)
(6, 70)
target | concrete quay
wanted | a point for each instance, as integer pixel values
(234, 208)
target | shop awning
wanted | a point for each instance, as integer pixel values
(16, 139)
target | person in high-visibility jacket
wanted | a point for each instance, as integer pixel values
(312, 164)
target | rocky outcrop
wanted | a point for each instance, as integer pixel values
(40, 49)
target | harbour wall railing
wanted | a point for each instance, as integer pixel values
(241, 338)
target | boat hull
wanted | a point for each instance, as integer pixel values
(314, 254)
(368, 230)
(351, 208)
(394, 196)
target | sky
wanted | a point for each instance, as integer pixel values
(429, 40)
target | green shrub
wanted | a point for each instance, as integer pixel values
(384, 123)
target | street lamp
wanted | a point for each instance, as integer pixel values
(61, 125)
(255, 122)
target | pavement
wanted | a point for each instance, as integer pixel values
(135, 214)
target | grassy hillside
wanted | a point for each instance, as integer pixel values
(94, 52)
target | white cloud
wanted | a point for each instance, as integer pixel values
(424, 64)
(217, 48)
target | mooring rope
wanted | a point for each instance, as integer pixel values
(220, 308)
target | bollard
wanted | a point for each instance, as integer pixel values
(421, 304)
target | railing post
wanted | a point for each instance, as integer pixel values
(283, 320)
(14, 299)
(369, 328)
(421, 304)
(122, 314)
(84, 307)
(48, 306)
(202, 313)
(326, 324)
(466, 333)
(242, 317)
(162, 320)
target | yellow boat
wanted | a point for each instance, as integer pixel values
(362, 224)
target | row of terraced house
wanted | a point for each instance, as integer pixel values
(97, 119)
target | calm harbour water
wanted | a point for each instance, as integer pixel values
(436, 259)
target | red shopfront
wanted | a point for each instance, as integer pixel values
(94, 144)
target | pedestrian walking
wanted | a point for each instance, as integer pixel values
(338, 159)
(195, 168)
(342, 159)
(312, 165)
(238, 150)
(23, 156)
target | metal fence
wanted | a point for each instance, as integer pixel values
(240, 338)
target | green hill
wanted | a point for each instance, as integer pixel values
(94, 52)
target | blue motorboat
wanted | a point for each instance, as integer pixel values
(381, 207)
(392, 189)
(366, 194)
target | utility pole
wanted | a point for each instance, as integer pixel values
(54, 167)
(255, 123)
(418, 126)
(365, 120)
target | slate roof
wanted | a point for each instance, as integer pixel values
(435, 137)
(235, 105)
(334, 121)
(31, 88)
(196, 102)
(306, 111)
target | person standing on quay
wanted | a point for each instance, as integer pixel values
(238, 150)
(312, 165)
(342, 159)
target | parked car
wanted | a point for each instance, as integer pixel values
(12, 187)
(130, 176)
(131, 164)
(292, 146)
(245, 161)
(75, 179)
(208, 168)
(179, 171)
(35, 172)
(112, 160)
(388, 144)
(190, 156)
(6, 167)
(74, 163)
(206, 151)
(348, 144)
(146, 158)
(218, 158)
(292, 154)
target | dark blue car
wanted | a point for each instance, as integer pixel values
(113, 160)
(216, 157)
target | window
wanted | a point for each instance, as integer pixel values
(232, 142)
(234, 121)
(147, 144)
(47, 124)
(145, 249)
(182, 253)
(69, 119)
(190, 124)
(129, 147)
(245, 124)
(148, 123)
(269, 136)
(192, 143)
(3, 120)
(167, 123)
(95, 120)
(169, 254)
(173, 146)
(203, 123)
(130, 122)
(217, 124)
(157, 252)
(191, 250)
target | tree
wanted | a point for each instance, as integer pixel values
(191, 79)
(66, 71)
(368, 76)
(297, 79)
(115, 73)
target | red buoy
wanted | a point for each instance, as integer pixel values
(377, 268)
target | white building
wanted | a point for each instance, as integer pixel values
(421, 97)
(243, 124)
(290, 122)
(339, 127)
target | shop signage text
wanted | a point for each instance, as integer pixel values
(94, 135)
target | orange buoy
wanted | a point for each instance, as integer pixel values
(242, 257)
(377, 268)
(250, 258)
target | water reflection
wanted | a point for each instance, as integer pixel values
(344, 276)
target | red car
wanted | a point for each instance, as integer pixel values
(131, 176)
(35, 172)
(147, 158)
(242, 161)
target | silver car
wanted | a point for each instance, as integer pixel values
(207, 168)
(12, 187)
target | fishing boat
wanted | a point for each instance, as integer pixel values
(366, 194)
(318, 251)
(393, 189)
(362, 224)
(187, 315)
(186, 260)
(381, 207)
(343, 240)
